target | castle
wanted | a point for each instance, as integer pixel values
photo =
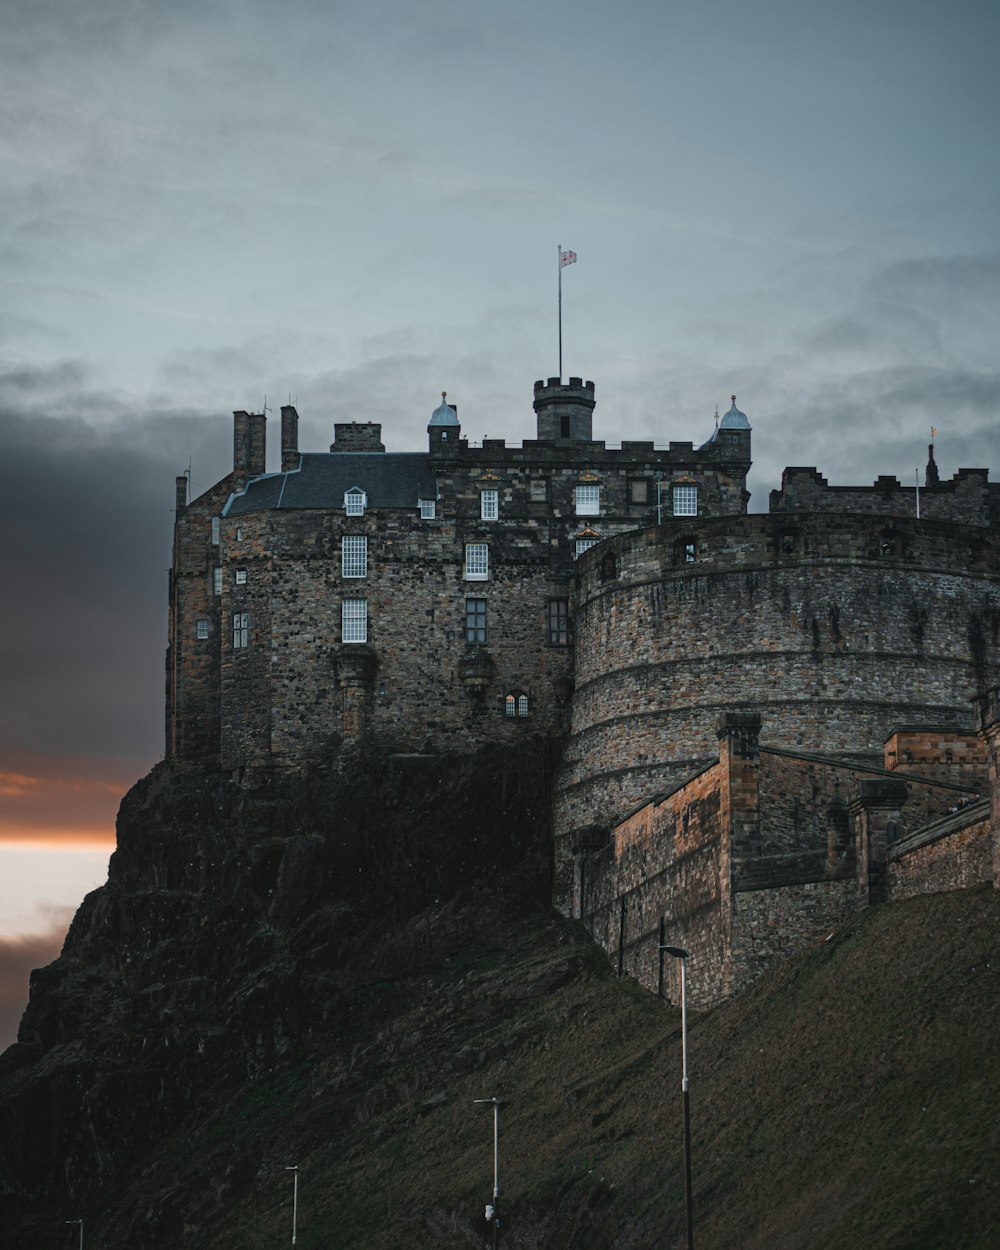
(768, 720)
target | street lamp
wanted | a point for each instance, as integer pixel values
(80, 1222)
(680, 953)
(493, 1209)
(294, 1168)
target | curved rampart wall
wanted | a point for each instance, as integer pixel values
(834, 628)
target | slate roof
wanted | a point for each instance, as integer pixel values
(389, 479)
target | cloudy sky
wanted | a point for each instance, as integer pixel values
(357, 204)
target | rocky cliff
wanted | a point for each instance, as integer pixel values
(238, 916)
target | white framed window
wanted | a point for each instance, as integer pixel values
(354, 620)
(427, 509)
(215, 531)
(217, 580)
(241, 577)
(354, 501)
(685, 501)
(477, 562)
(585, 544)
(202, 627)
(588, 501)
(489, 505)
(354, 555)
(241, 630)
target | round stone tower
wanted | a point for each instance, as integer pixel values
(835, 628)
(565, 414)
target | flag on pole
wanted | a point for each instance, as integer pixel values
(566, 258)
(933, 432)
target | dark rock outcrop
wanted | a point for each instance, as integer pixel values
(237, 912)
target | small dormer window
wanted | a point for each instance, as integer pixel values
(355, 501)
(427, 509)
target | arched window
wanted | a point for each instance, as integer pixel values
(516, 704)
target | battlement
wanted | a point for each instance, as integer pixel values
(565, 413)
(969, 497)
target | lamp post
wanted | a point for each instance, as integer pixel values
(80, 1222)
(493, 1209)
(294, 1169)
(680, 953)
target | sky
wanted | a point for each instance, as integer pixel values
(356, 204)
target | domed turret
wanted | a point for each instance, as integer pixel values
(444, 429)
(731, 436)
(734, 419)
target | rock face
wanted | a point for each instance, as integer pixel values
(236, 913)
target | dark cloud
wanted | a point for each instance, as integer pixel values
(19, 956)
(86, 514)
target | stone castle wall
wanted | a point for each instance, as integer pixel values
(832, 637)
(297, 690)
(765, 852)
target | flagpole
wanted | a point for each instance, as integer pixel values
(560, 268)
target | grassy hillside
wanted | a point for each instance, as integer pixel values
(850, 1100)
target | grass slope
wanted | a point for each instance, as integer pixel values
(852, 1099)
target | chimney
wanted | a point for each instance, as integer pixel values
(249, 446)
(289, 438)
(357, 436)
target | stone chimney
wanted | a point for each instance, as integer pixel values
(289, 438)
(249, 446)
(357, 436)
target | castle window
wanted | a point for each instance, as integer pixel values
(685, 501)
(564, 425)
(241, 577)
(638, 490)
(489, 505)
(475, 620)
(354, 620)
(354, 555)
(217, 581)
(690, 553)
(354, 501)
(427, 509)
(215, 531)
(241, 630)
(516, 704)
(585, 544)
(559, 622)
(588, 501)
(477, 562)
(201, 628)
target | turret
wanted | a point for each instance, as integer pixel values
(443, 429)
(565, 414)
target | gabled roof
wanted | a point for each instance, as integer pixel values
(389, 479)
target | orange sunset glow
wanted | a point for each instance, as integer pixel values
(61, 803)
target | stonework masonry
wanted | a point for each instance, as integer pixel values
(767, 721)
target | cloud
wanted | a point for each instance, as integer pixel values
(86, 511)
(19, 956)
